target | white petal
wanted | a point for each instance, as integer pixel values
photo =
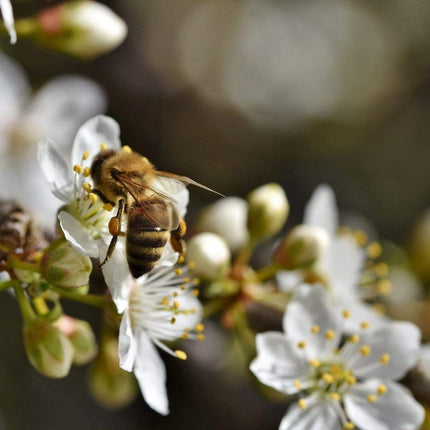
(394, 410)
(14, 87)
(127, 348)
(321, 210)
(310, 307)
(401, 340)
(278, 364)
(97, 130)
(169, 257)
(343, 262)
(117, 274)
(7, 13)
(78, 237)
(62, 105)
(288, 281)
(56, 169)
(318, 415)
(360, 312)
(151, 374)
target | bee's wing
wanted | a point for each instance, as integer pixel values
(160, 213)
(176, 181)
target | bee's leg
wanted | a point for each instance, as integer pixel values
(114, 230)
(178, 244)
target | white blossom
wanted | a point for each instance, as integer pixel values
(84, 218)
(341, 265)
(342, 382)
(161, 307)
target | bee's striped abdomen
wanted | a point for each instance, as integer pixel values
(145, 241)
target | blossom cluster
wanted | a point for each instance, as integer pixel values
(339, 354)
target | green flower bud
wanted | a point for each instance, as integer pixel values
(81, 336)
(111, 387)
(49, 350)
(268, 209)
(303, 246)
(419, 247)
(81, 28)
(208, 256)
(63, 267)
(226, 218)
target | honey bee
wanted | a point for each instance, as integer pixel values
(130, 182)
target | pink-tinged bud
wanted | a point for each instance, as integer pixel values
(82, 28)
(81, 336)
(49, 350)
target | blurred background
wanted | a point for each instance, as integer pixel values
(237, 93)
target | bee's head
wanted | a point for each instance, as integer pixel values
(97, 165)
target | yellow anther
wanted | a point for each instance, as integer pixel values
(302, 344)
(374, 250)
(126, 149)
(329, 334)
(297, 384)
(186, 280)
(302, 404)
(183, 287)
(336, 369)
(85, 155)
(384, 287)
(364, 325)
(360, 237)
(315, 363)
(328, 378)
(196, 293)
(335, 396)
(193, 310)
(348, 426)
(196, 281)
(315, 329)
(87, 172)
(352, 380)
(185, 336)
(354, 339)
(178, 271)
(365, 350)
(165, 301)
(181, 259)
(175, 294)
(336, 351)
(371, 398)
(77, 168)
(181, 354)
(103, 146)
(107, 207)
(200, 336)
(87, 187)
(199, 327)
(346, 313)
(385, 359)
(173, 320)
(187, 329)
(191, 265)
(176, 305)
(381, 269)
(93, 197)
(382, 389)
